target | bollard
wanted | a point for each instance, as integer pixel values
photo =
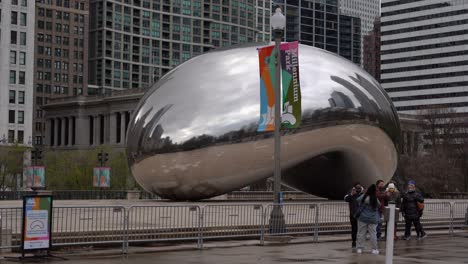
(390, 234)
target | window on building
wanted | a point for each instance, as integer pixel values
(13, 57)
(12, 77)
(22, 58)
(20, 136)
(13, 37)
(22, 77)
(12, 97)
(14, 18)
(20, 117)
(23, 38)
(21, 97)
(11, 116)
(23, 19)
(11, 136)
(24, 2)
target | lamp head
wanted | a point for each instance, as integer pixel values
(278, 20)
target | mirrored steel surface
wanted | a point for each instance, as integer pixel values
(193, 135)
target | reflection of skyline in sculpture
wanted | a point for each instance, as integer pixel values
(194, 134)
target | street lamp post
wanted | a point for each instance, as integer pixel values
(277, 223)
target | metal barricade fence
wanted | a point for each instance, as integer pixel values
(232, 220)
(299, 219)
(164, 223)
(334, 218)
(86, 225)
(437, 215)
(460, 214)
(10, 222)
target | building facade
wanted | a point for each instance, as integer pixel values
(319, 23)
(424, 55)
(61, 55)
(134, 43)
(367, 11)
(371, 55)
(16, 71)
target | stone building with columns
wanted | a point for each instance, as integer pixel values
(85, 122)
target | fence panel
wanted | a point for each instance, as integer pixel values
(232, 220)
(10, 222)
(300, 219)
(88, 225)
(460, 214)
(437, 215)
(334, 218)
(163, 223)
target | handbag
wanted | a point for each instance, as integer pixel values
(420, 206)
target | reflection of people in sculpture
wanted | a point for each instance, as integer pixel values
(37, 181)
(103, 181)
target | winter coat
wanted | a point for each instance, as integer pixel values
(409, 208)
(382, 197)
(369, 215)
(353, 204)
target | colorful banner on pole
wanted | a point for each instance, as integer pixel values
(34, 176)
(266, 58)
(101, 177)
(292, 112)
(37, 220)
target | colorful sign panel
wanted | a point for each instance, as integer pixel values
(292, 111)
(34, 177)
(37, 222)
(101, 177)
(291, 116)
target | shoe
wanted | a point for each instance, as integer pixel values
(422, 237)
(359, 251)
(375, 251)
(381, 239)
(353, 245)
(407, 238)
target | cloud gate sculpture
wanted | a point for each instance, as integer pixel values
(194, 133)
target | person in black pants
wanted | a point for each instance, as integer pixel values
(411, 212)
(353, 208)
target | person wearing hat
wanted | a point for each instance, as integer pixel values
(393, 196)
(411, 211)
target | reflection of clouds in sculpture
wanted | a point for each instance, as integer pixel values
(194, 133)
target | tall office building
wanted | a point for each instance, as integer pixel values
(367, 11)
(371, 48)
(424, 55)
(134, 42)
(61, 57)
(16, 71)
(319, 23)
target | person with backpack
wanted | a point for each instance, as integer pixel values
(368, 217)
(351, 199)
(411, 209)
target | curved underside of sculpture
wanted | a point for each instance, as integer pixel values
(194, 133)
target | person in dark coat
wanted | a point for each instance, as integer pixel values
(353, 208)
(411, 212)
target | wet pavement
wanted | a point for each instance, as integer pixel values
(442, 249)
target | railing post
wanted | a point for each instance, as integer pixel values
(317, 215)
(201, 211)
(126, 229)
(263, 226)
(452, 205)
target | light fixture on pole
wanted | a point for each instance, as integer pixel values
(277, 224)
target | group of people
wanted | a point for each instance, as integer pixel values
(367, 207)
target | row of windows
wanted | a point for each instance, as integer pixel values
(425, 77)
(64, 3)
(425, 27)
(426, 57)
(399, 2)
(60, 40)
(425, 37)
(21, 60)
(65, 28)
(415, 9)
(427, 86)
(58, 52)
(14, 38)
(12, 117)
(44, 12)
(429, 96)
(23, 2)
(426, 106)
(21, 77)
(425, 17)
(425, 47)
(427, 66)
(12, 97)
(11, 137)
(22, 17)
(59, 65)
(57, 89)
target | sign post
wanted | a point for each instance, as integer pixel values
(36, 224)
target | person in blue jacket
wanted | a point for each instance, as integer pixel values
(368, 217)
